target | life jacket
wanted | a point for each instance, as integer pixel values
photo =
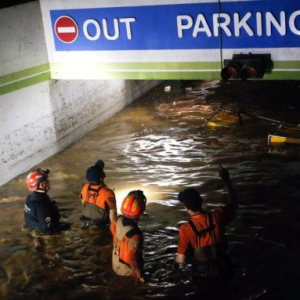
(120, 259)
(94, 207)
(214, 255)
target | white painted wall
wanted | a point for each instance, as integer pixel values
(42, 119)
(22, 40)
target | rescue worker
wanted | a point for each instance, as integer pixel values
(98, 201)
(204, 234)
(40, 212)
(127, 255)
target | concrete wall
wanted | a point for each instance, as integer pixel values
(38, 116)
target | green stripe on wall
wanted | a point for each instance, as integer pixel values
(279, 75)
(177, 70)
(24, 83)
(286, 65)
(24, 73)
(282, 70)
(135, 66)
(163, 76)
(25, 78)
(160, 65)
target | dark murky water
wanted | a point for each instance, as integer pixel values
(159, 145)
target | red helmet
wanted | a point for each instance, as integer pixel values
(38, 181)
(134, 204)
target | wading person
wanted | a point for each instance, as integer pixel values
(40, 212)
(127, 255)
(98, 201)
(204, 234)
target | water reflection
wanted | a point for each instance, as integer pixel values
(159, 145)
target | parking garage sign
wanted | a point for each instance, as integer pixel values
(238, 24)
(169, 39)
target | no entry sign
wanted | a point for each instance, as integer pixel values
(66, 29)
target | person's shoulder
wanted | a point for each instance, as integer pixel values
(199, 216)
(184, 226)
(36, 197)
(28, 198)
(42, 200)
(108, 190)
(86, 185)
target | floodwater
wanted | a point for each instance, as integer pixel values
(159, 145)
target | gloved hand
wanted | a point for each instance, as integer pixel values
(224, 173)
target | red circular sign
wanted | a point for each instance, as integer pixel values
(66, 29)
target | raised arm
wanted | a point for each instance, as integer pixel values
(232, 197)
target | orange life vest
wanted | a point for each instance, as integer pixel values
(97, 200)
(90, 194)
(209, 247)
(122, 248)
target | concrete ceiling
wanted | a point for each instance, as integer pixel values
(8, 3)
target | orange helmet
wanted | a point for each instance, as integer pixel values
(134, 204)
(38, 180)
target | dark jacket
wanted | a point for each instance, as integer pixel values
(41, 213)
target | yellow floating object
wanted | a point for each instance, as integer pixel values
(276, 139)
(285, 135)
(223, 119)
(214, 124)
